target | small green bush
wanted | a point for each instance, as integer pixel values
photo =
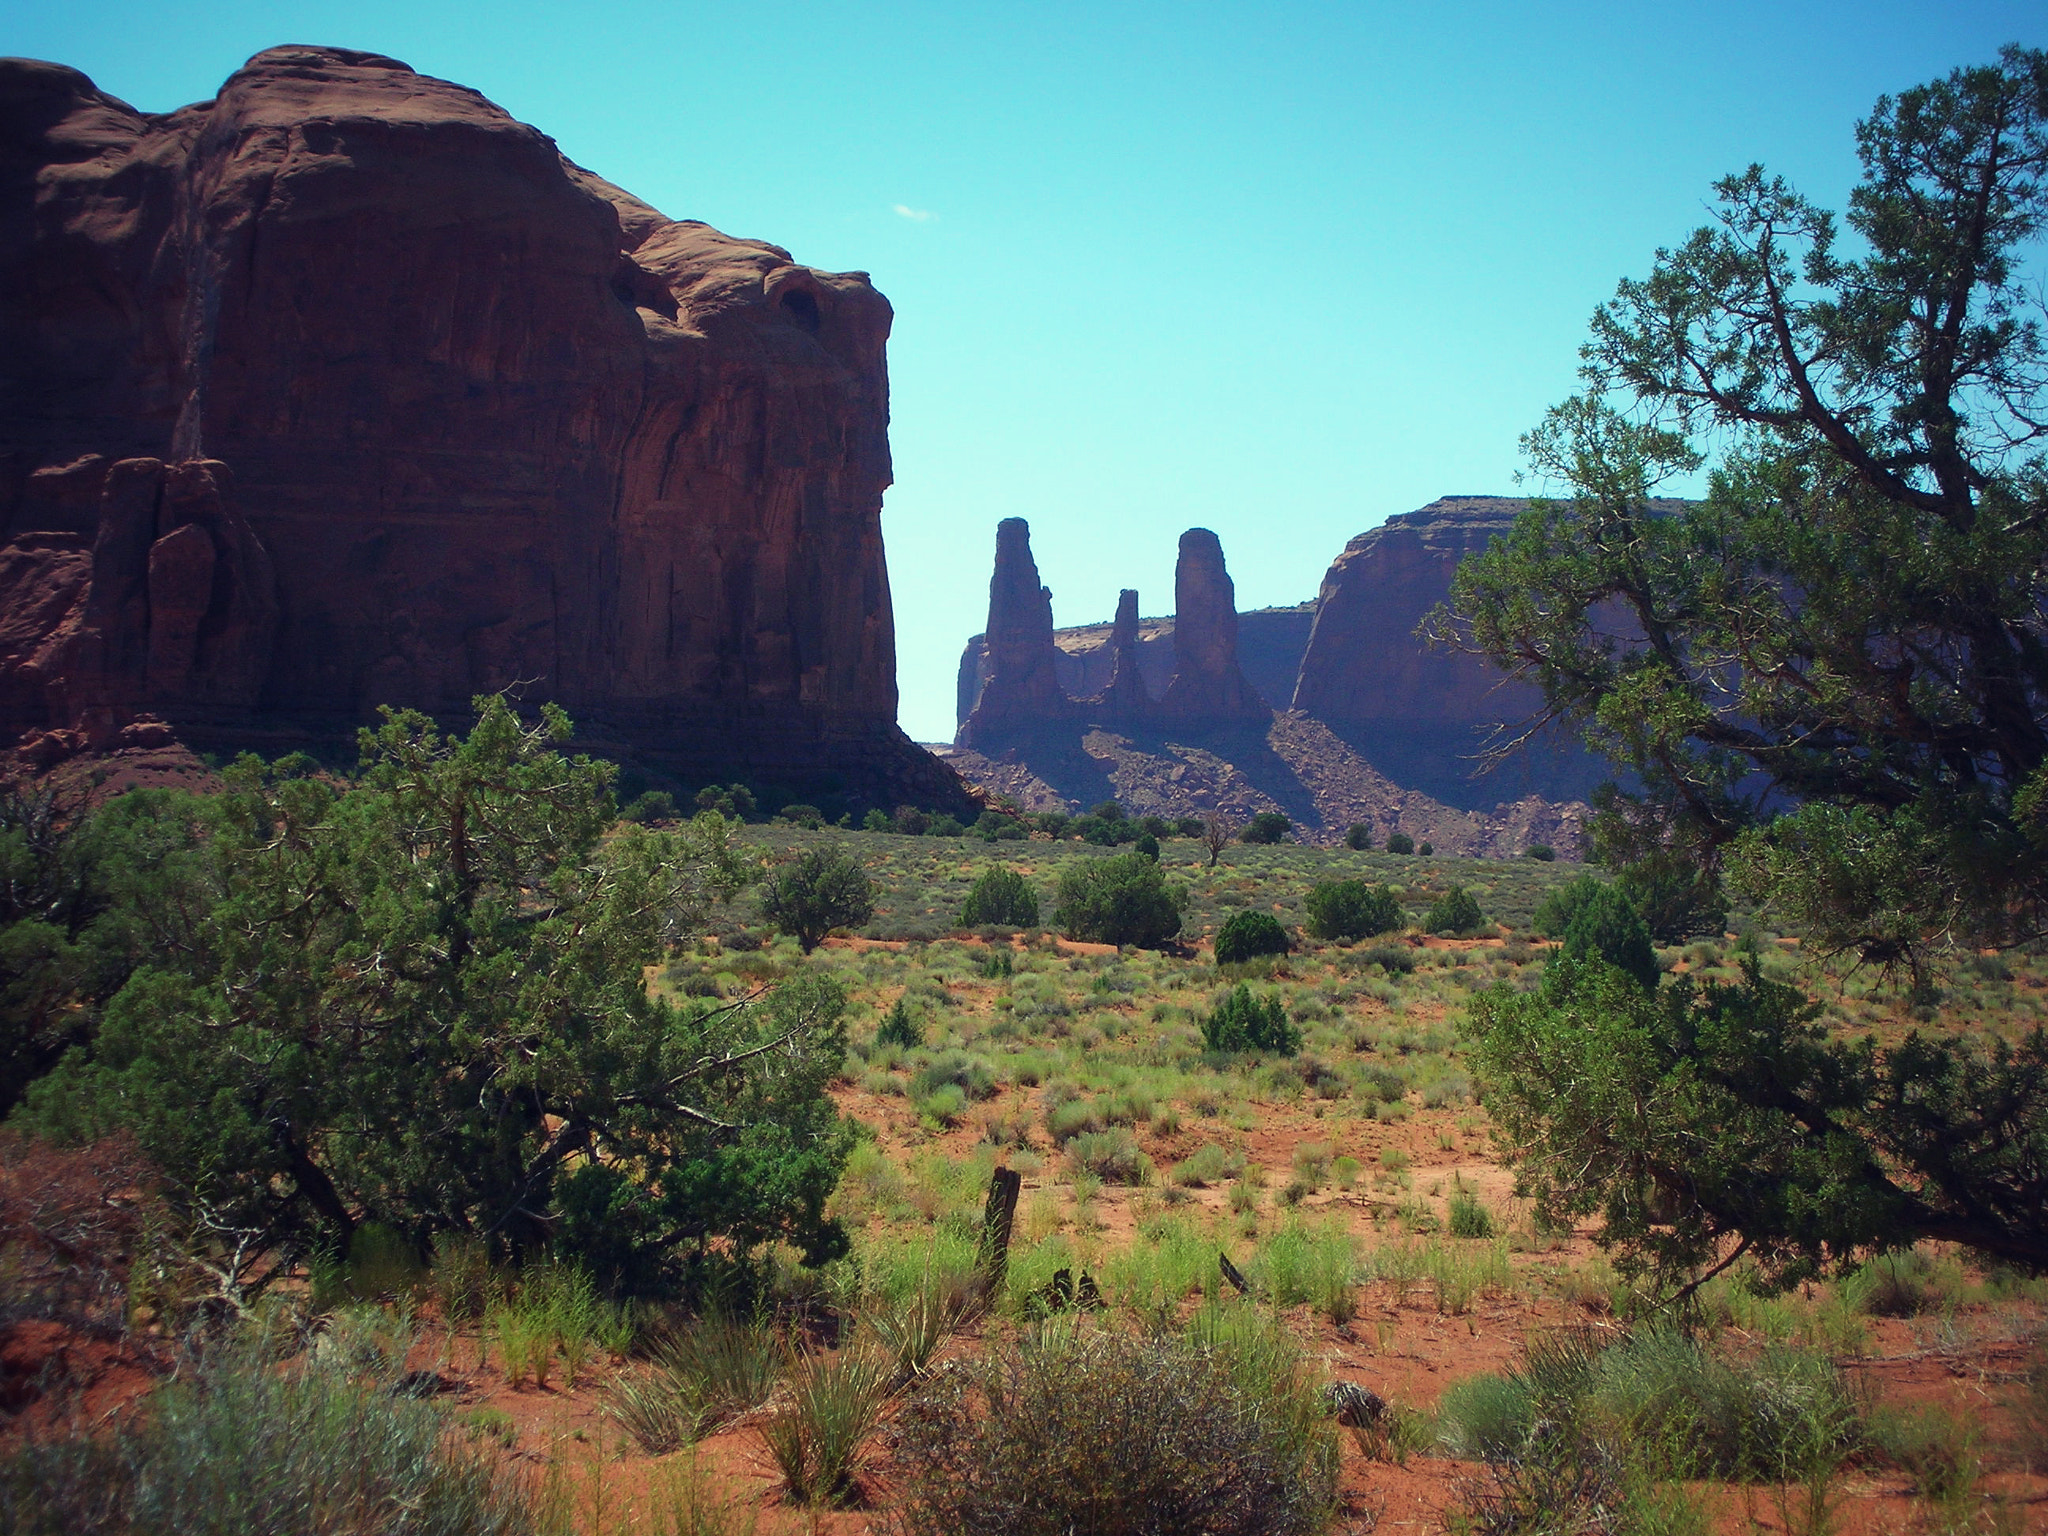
(1243, 1021)
(1351, 909)
(1455, 912)
(970, 1074)
(1358, 837)
(1543, 853)
(1148, 845)
(818, 1436)
(1468, 1217)
(1267, 827)
(898, 1028)
(654, 805)
(1122, 899)
(1394, 959)
(1001, 897)
(1248, 935)
(1111, 1155)
(1400, 842)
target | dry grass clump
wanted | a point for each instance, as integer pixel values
(1080, 1430)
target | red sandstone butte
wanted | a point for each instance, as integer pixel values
(345, 388)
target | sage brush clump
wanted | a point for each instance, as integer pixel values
(1080, 1431)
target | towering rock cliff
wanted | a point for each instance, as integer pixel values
(1023, 690)
(1207, 686)
(1420, 715)
(490, 422)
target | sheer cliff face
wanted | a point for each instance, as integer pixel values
(1422, 715)
(489, 420)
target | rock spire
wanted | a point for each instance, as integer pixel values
(1207, 685)
(1023, 688)
(1125, 699)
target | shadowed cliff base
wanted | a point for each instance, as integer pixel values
(1296, 765)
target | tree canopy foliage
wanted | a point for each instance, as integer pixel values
(818, 890)
(1351, 909)
(1121, 899)
(1247, 935)
(417, 999)
(1707, 1123)
(1829, 674)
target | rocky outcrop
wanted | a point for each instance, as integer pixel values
(1270, 642)
(1023, 690)
(1421, 715)
(1124, 699)
(492, 423)
(1207, 686)
(1291, 764)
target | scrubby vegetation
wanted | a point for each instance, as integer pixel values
(805, 1288)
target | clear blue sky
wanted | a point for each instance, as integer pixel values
(1278, 269)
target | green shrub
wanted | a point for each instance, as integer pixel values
(945, 825)
(1267, 827)
(1244, 1021)
(1543, 853)
(242, 1445)
(1351, 909)
(970, 1074)
(817, 891)
(1689, 1412)
(1122, 899)
(1002, 897)
(1111, 1155)
(1358, 837)
(1066, 1120)
(735, 802)
(1468, 1217)
(1394, 959)
(877, 820)
(1455, 912)
(818, 1435)
(1605, 925)
(1148, 845)
(1426, 849)
(1207, 1165)
(898, 1028)
(1560, 904)
(1248, 935)
(1100, 1432)
(1400, 842)
(653, 805)
(799, 814)
(382, 1000)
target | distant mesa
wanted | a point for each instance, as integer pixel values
(345, 388)
(1373, 724)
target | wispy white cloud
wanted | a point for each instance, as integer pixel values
(915, 215)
